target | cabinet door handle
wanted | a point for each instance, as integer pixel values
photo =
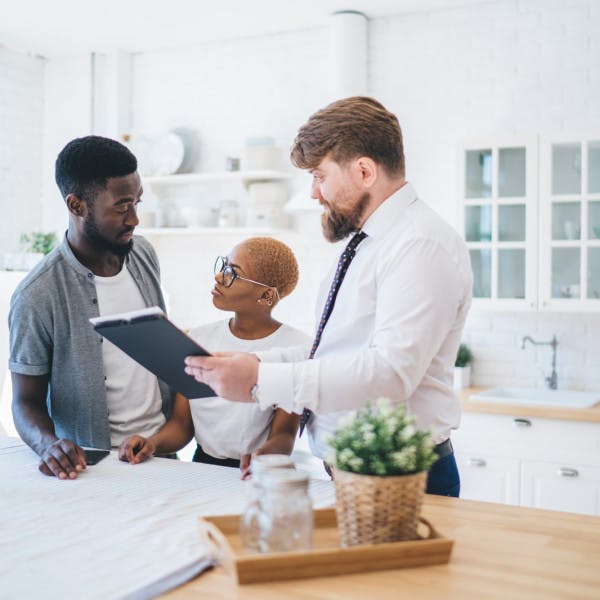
(476, 462)
(568, 472)
(522, 422)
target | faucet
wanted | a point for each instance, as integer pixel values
(552, 379)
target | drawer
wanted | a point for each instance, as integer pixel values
(529, 437)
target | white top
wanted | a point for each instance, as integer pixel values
(394, 331)
(132, 393)
(229, 429)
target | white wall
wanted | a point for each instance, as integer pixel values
(67, 114)
(21, 108)
(506, 67)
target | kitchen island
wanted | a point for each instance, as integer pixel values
(502, 552)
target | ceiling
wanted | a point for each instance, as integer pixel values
(57, 27)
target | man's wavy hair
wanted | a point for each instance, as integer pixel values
(347, 129)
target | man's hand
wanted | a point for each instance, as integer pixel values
(231, 375)
(63, 459)
(136, 449)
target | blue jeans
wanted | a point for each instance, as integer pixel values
(443, 478)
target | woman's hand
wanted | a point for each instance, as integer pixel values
(136, 449)
(245, 466)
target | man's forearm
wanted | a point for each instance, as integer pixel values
(34, 425)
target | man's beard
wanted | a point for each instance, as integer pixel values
(90, 227)
(337, 225)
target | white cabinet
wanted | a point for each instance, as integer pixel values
(545, 463)
(488, 478)
(530, 214)
(499, 220)
(570, 223)
(561, 486)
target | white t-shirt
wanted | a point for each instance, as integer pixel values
(227, 429)
(132, 393)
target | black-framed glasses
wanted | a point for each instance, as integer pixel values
(229, 275)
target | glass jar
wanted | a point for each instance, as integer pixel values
(249, 522)
(285, 517)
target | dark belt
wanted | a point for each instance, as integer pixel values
(444, 448)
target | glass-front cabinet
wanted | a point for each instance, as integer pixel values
(499, 219)
(570, 223)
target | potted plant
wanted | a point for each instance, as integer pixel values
(34, 246)
(462, 367)
(380, 463)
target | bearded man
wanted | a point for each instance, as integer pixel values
(390, 313)
(71, 388)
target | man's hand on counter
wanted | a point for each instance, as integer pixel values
(63, 459)
(230, 374)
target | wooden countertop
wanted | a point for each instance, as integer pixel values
(591, 414)
(500, 551)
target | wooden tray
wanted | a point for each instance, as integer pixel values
(326, 557)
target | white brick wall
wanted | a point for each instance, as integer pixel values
(503, 68)
(506, 67)
(21, 106)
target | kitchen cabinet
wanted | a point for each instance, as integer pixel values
(498, 218)
(529, 461)
(570, 223)
(530, 214)
(561, 486)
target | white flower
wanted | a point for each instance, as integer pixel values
(355, 463)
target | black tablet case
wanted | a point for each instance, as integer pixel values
(156, 344)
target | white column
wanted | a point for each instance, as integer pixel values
(111, 112)
(348, 52)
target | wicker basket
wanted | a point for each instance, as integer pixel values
(372, 509)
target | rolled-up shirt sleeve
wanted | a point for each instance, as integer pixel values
(417, 298)
(30, 342)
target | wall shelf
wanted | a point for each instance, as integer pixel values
(204, 231)
(217, 177)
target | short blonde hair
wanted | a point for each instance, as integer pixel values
(273, 263)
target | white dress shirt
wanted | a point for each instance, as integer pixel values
(394, 330)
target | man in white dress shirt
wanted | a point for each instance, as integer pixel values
(400, 310)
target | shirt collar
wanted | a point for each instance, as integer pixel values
(387, 214)
(69, 256)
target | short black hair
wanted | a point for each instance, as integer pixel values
(86, 163)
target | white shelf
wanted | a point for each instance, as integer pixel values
(191, 231)
(217, 177)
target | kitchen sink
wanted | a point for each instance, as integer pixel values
(538, 397)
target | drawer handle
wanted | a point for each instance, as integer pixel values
(476, 462)
(568, 472)
(521, 422)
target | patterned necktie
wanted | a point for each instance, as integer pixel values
(340, 273)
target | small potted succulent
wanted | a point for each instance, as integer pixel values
(380, 463)
(462, 367)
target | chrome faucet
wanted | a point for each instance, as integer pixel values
(552, 379)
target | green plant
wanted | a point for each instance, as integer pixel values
(381, 439)
(464, 356)
(39, 242)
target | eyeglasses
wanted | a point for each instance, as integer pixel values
(229, 275)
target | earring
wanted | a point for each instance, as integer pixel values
(270, 302)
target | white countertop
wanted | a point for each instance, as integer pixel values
(117, 531)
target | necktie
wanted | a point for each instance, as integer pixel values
(340, 273)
